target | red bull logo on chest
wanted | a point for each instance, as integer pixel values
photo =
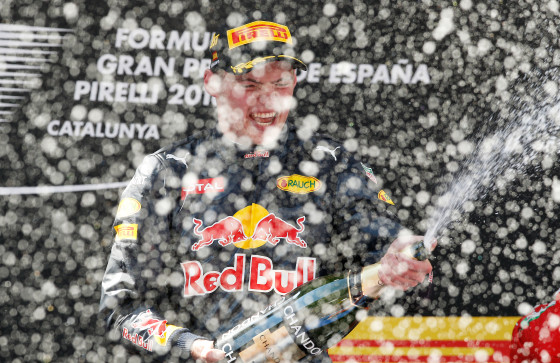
(251, 227)
(262, 276)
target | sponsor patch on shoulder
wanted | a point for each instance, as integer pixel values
(126, 231)
(202, 186)
(128, 207)
(298, 184)
(369, 173)
(257, 154)
(384, 197)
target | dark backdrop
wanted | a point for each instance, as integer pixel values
(433, 75)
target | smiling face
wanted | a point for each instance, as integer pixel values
(253, 107)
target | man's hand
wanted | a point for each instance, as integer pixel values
(203, 351)
(401, 271)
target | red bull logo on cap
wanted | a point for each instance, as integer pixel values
(251, 227)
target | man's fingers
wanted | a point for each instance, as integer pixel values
(203, 350)
(214, 355)
(403, 242)
(402, 263)
(395, 281)
(402, 272)
(424, 267)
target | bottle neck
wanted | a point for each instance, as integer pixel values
(356, 294)
(371, 284)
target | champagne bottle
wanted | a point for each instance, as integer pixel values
(308, 320)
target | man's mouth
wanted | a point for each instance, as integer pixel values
(264, 118)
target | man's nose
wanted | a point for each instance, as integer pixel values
(266, 94)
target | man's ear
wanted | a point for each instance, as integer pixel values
(295, 76)
(212, 83)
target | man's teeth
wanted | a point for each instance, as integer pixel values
(264, 117)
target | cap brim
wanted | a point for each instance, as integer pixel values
(246, 67)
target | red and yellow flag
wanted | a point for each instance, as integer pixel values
(427, 339)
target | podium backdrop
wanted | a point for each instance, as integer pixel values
(88, 88)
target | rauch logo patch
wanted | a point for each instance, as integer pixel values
(298, 184)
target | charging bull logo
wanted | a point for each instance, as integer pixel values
(272, 228)
(157, 329)
(225, 231)
(251, 227)
(153, 326)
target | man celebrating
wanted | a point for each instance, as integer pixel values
(217, 227)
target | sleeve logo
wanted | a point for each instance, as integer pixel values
(202, 186)
(128, 207)
(126, 231)
(369, 173)
(384, 197)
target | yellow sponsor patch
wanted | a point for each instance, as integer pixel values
(241, 67)
(127, 207)
(214, 40)
(126, 231)
(162, 339)
(258, 30)
(298, 184)
(384, 197)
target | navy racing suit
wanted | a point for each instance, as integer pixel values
(208, 233)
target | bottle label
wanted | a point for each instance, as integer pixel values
(299, 332)
(274, 347)
(285, 340)
(247, 322)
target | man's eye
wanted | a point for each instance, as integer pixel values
(248, 85)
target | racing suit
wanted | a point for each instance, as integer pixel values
(536, 336)
(208, 233)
